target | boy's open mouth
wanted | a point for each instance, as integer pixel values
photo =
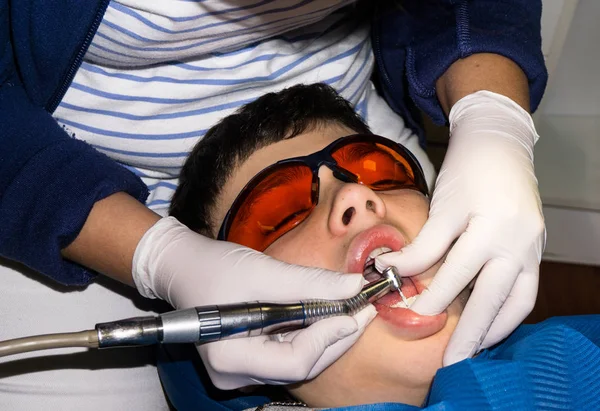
(392, 299)
(407, 324)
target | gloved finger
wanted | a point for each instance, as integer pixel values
(271, 279)
(491, 290)
(336, 350)
(333, 352)
(363, 318)
(426, 249)
(462, 264)
(273, 362)
(517, 307)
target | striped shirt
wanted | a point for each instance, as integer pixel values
(159, 74)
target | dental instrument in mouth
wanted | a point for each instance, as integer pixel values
(370, 272)
(211, 323)
(404, 299)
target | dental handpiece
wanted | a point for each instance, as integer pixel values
(219, 322)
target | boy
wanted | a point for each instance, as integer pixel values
(298, 175)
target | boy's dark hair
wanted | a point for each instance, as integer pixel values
(267, 120)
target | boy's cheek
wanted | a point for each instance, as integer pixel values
(299, 250)
(408, 210)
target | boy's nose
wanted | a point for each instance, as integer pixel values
(354, 205)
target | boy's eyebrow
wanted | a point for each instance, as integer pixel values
(354, 152)
(358, 151)
(287, 174)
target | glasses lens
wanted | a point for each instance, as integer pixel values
(280, 200)
(377, 166)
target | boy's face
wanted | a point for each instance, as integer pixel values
(397, 356)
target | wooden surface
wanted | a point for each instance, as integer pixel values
(566, 289)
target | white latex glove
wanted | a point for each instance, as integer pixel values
(486, 196)
(188, 270)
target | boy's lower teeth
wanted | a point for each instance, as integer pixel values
(400, 304)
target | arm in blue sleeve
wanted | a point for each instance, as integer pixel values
(434, 34)
(48, 184)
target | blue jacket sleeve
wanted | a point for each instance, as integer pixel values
(426, 37)
(48, 180)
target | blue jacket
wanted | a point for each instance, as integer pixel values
(416, 42)
(50, 181)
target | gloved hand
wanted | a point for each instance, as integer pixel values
(486, 197)
(187, 270)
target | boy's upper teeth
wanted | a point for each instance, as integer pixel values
(378, 251)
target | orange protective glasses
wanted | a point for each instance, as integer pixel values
(283, 195)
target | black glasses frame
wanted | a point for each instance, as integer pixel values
(324, 158)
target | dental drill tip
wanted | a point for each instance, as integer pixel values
(392, 274)
(404, 300)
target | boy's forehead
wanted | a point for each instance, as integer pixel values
(301, 145)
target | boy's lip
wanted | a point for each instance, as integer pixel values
(381, 235)
(406, 323)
